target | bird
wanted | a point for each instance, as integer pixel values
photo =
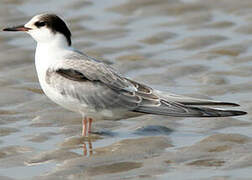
(94, 89)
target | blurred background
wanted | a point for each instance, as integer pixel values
(191, 47)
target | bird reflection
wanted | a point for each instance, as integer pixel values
(88, 148)
(96, 135)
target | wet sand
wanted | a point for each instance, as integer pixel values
(190, 47)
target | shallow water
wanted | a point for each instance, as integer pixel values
(191, 47)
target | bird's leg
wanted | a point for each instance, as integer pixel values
(84, 126)
(89, 124)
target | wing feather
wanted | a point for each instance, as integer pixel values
(192, 101)
(97, 71)
(101, 87)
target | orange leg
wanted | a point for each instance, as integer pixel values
(84, 126)
(90, 125)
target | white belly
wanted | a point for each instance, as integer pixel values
(62, 100)
(75, 106)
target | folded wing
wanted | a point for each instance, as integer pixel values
(99, 86)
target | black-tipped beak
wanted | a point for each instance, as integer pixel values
(17, 28)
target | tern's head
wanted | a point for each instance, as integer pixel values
(46, 28)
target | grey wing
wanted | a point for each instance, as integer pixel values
(162, 106)
(98, 85)
(95, 94)
(100, 96)
(95, 70)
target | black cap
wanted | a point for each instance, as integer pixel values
(56, 24)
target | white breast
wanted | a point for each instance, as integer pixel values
(46, 58)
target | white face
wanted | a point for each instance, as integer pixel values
(39, 33)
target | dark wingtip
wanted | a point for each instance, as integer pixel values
(210, 104)
(209, 112)
(239, 113)
(229, 104)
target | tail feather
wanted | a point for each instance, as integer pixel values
(211, 112)
(192, 101)
(180, 110)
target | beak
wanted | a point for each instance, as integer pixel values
(17, 28)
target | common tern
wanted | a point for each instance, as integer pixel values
(87, 86)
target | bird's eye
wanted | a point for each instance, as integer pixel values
(40, 23)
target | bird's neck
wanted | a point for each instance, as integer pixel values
(53, 48)
(50, 53)
(58, 42)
